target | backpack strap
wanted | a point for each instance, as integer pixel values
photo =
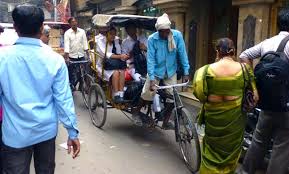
(282, 45)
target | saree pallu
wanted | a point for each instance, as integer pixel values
(224, 121)
(224, 130)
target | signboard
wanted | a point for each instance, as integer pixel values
(57, 10)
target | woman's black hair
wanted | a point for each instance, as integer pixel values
(130, 24)
(225, 47)
(111, 28)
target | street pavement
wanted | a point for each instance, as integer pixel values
(119, 148)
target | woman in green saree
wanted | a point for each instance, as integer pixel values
(219, 86)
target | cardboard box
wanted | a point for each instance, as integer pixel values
(54, 32)
(54, 42)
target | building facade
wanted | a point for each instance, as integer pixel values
(54, 10)
(246, 22)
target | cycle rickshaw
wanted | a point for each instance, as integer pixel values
(100, 98)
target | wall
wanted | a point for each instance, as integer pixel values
(262, 14)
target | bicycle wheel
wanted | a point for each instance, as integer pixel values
(85, 83)
(189, 141)
(97, 105)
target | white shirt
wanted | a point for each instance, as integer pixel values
(128, 44)
(97, 37)
(75, 43)
(267, 45)
(100, 48)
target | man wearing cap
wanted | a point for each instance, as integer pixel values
(164, 48)
(45, 34)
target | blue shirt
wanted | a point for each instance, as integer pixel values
(35, 92)
(161, 62)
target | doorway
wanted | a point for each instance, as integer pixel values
(223, 22)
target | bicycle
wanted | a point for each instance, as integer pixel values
(81, 75)
(185, 130)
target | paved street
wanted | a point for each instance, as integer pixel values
(119, 148)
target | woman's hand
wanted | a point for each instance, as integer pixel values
(124, 57)
(256, 97)
(142, 47)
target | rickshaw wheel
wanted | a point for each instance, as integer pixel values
(97, 105)
(189, 141)
(87, 80)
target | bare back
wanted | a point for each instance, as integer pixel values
(224, 68)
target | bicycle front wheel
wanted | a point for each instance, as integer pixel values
(85, 83)
(189, 141)
(97, 105)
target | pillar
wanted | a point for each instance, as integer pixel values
(126, 7)
(176, 10)
(254, 17)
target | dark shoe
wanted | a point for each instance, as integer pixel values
(159, 116)
(117, 99)
(72, 88)
(168, 126)
(137, 120)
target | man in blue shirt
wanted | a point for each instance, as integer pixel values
(35, 93)
(164, 48)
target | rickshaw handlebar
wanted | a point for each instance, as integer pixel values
(173, 86)
(79, 62)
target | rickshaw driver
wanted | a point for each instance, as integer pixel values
(164, 48)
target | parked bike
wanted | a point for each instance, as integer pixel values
(252, 120)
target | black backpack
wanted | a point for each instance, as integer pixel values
(140, 61)
(272, 79)
(133, 92)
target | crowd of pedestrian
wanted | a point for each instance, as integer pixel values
(36, 91)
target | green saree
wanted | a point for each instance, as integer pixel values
(224, 121)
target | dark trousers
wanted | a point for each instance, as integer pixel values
(17, 160)
(1, 144)
(74, 71)
(270, 125)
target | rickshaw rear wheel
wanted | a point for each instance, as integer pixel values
(189, 141)
(97, 105)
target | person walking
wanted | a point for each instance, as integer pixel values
(34, 89)
(219, 86)
(75, 48)
(272, 124)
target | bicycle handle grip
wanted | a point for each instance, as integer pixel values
(173, 86)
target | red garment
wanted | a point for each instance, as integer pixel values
(128, 76)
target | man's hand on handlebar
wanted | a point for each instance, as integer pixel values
(186, 78)
(153, 85)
